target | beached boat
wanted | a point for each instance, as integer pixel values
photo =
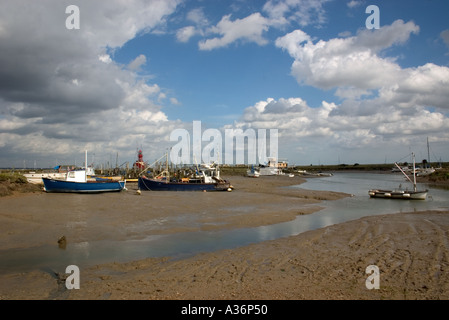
(426, 169)
(79, 181)
(305, 173)
(400, 193)
(149, 184)
(206, 178)
(100, 178)
(253, 172)
(36, 178)
(60, 186)
(271, 169)
(422, 172)
(59, 173)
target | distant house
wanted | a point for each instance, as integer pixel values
(282, 164)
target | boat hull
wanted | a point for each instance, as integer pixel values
(60, 186)
(36, 178)
(253, 174)
(406, 195)
(161, 185)
(270, 171)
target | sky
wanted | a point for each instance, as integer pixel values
(117, 76)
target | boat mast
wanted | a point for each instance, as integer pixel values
(403, 172)
(167, 178)
(218, 165)
(414, 172)
(85, 165)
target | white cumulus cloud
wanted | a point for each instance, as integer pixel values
(61, 91)
(249, 29)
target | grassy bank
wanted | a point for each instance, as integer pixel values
(241, 170)
(439, 178)
(346, 167)
(338, 167)
(13, 182)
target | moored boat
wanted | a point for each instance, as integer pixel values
(79, 181)
(414, 194)
(398, 194)
(253, 172)
(206, 178)
(61, 186)
(36, 178)
(149, 184)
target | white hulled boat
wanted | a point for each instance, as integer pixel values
(406, 194)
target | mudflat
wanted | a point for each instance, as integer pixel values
(410, 250)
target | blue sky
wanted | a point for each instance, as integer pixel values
(137, 70)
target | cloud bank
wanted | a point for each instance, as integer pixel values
(383, 105)
(60, 90)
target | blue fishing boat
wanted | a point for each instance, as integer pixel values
(76, 181)
(149, 184)
(52, 185)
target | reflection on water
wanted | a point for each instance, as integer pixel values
(360, 205)
(184, 244)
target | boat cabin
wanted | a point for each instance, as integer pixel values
(77, 176)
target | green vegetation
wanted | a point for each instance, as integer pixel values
(233, 170)
(11, 182)
(12, 177)
(346, 167)
(440, 175)
(240, 170)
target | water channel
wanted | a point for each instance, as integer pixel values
(185, 244)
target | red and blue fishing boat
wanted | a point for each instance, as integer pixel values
(205, 178)
(150, 184)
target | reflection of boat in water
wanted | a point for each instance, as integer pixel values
(78, 181)
(400, 193)
(203, 178)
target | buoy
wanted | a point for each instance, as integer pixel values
(229, 189)
(138, 192)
